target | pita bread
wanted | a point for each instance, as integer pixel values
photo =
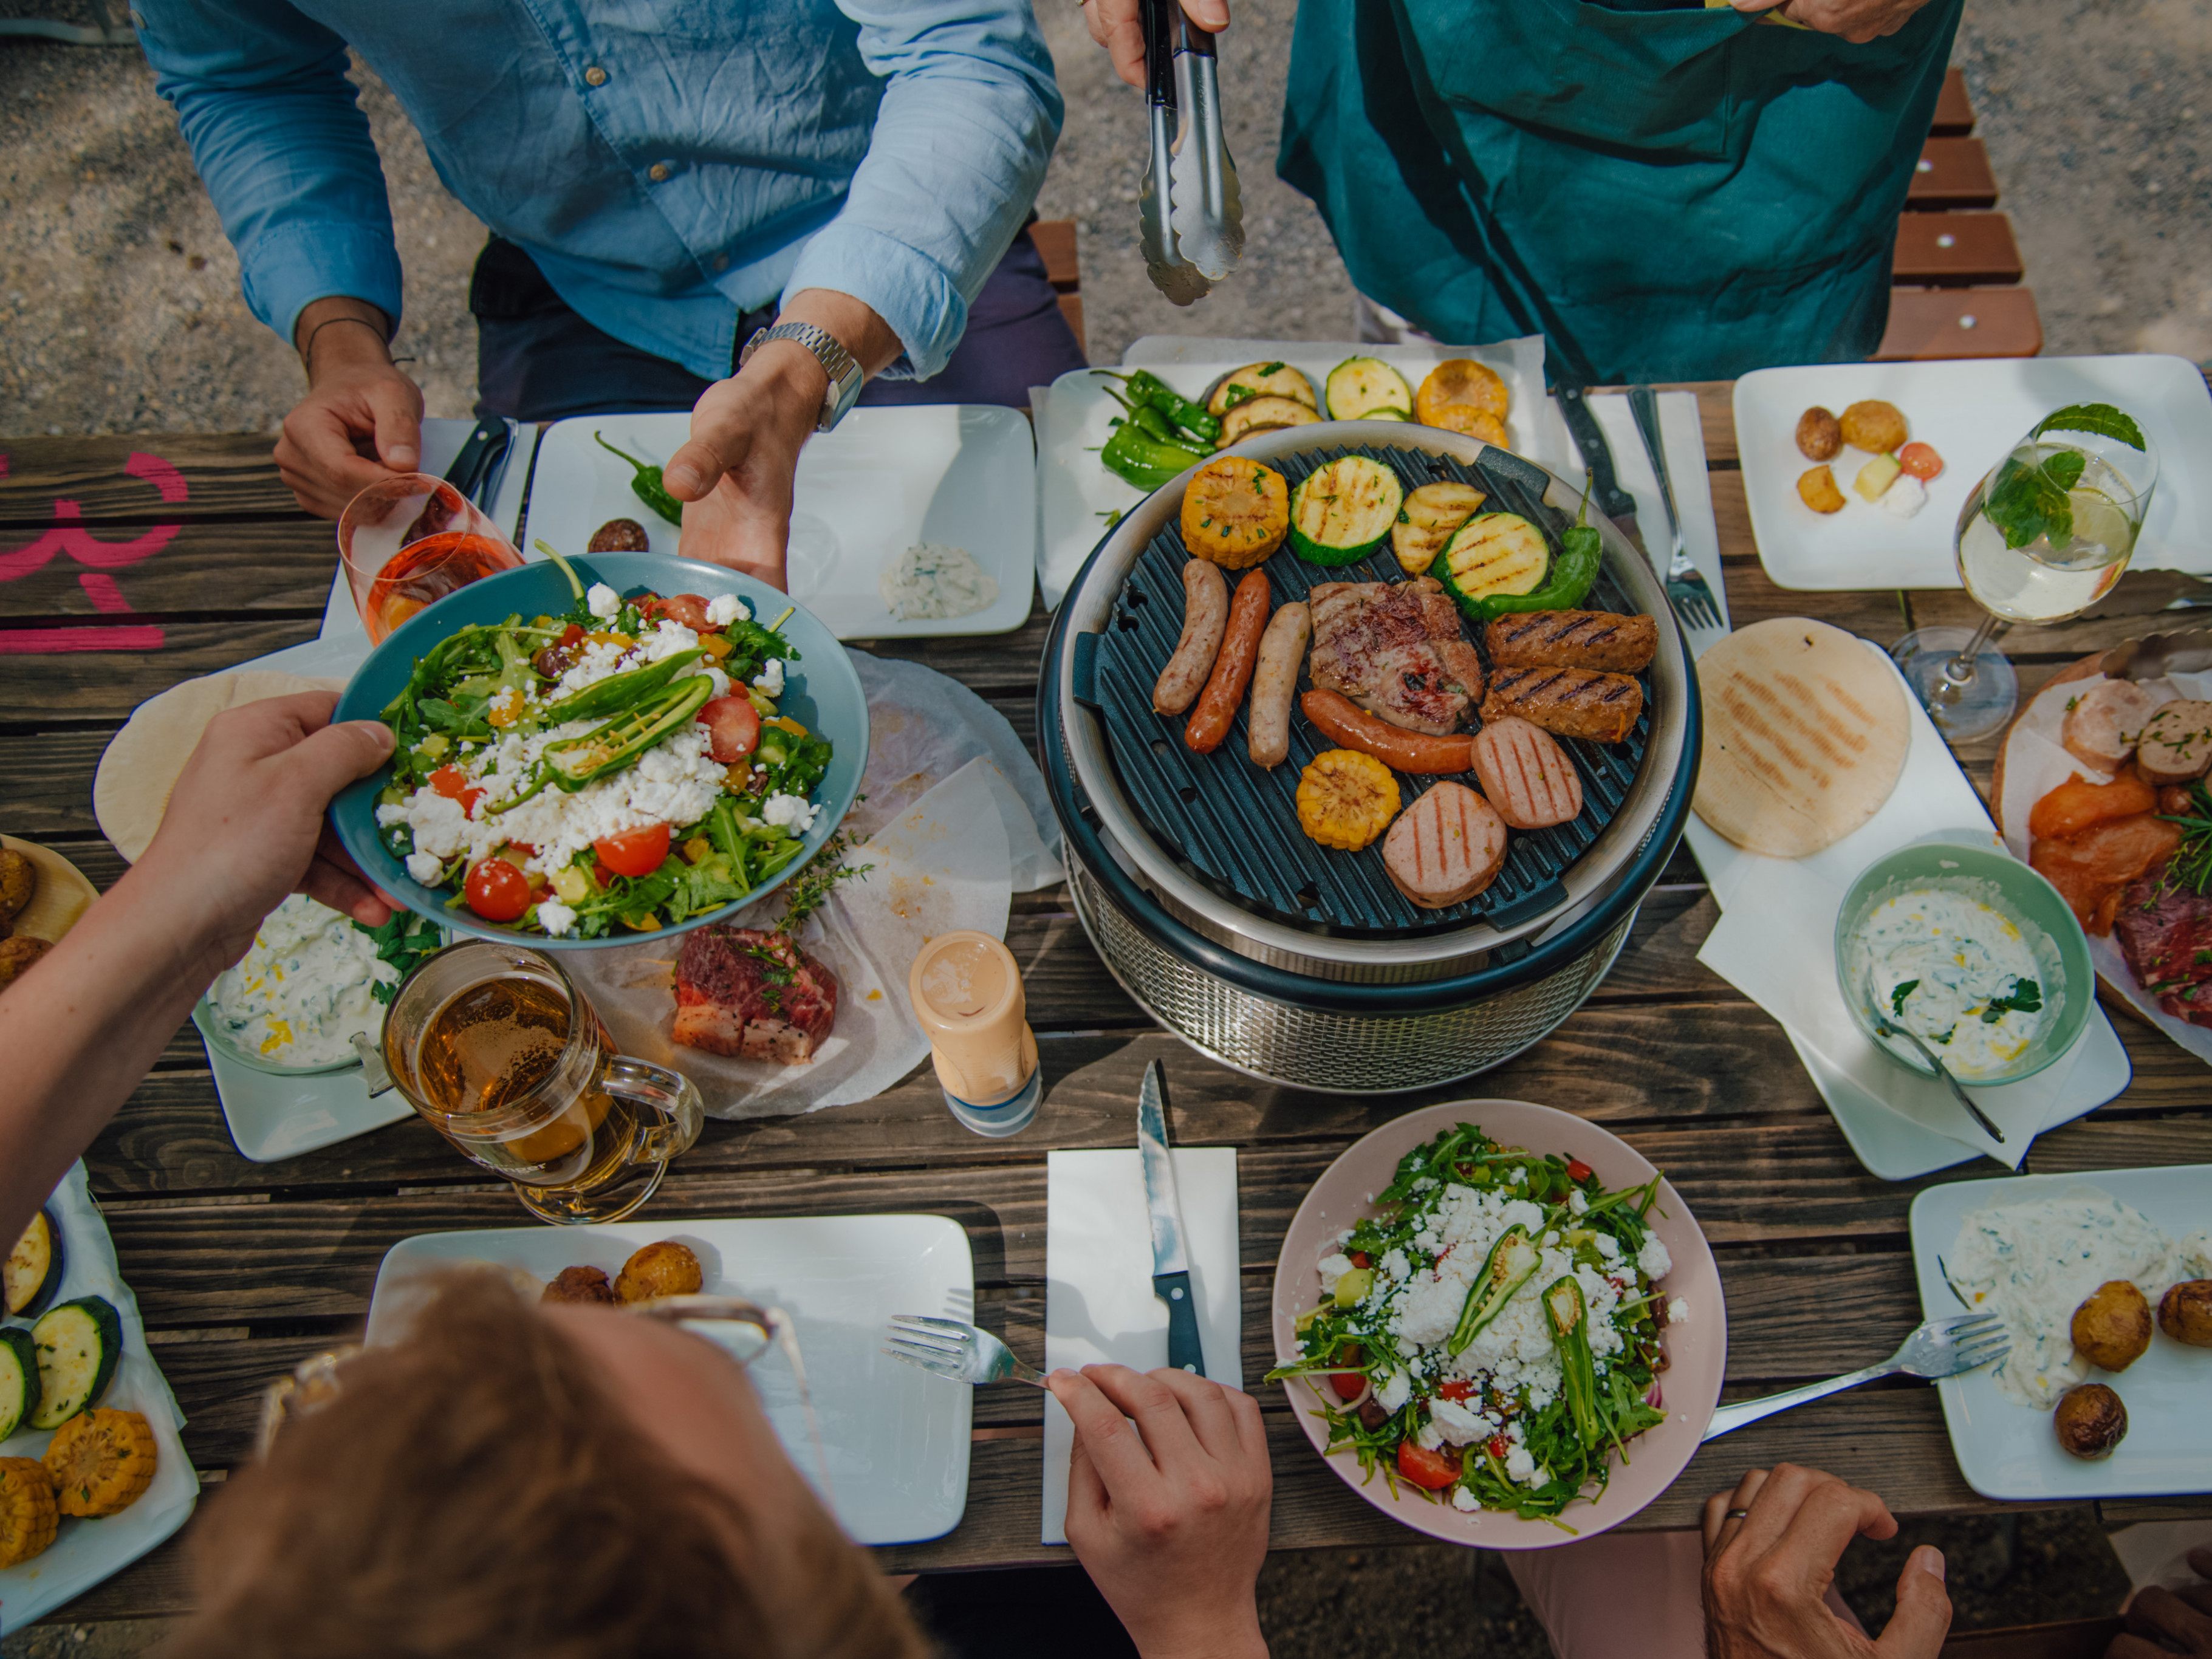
(130, 791)
(1806, 729)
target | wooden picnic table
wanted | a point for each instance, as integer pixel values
(128, 563)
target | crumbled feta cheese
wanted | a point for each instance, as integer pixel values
(1678, 1312)
(790, 812)
(1395, 1267)
(425, 867)
(602, 601)
(1465, 1501)
(1608, 1246)
(725, 608)
(1394, 1391)
(717, 679)
(555, 917)
(770, 678)
(667, 639)
(1429, 1438)
(1454, 1422)
(1332, 1269)
(1519, 1466)
(1578, 1201)
(1654, 1260)
(1904, 497)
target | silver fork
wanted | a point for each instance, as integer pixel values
(1941, 1347)
(1685, 584)
(960, 1351)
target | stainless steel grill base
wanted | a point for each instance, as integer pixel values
(1336, 1054)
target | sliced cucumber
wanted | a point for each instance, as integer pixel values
(34, 1269)
(1344, 509)
(1270, 379)
(1263, 415)
(19, 1378)
(1427, 519)
(1367, 389)
(1491, 553)
(79, 1345)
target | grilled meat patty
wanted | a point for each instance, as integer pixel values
(744, 992)
(2166, 933)
(1572, 639)
(1445, 847)
(1575, 703)
(1396, 650)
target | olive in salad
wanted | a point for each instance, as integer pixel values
(622, 765)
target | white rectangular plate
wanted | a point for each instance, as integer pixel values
(272, 1117)
(2010, 1451)
(896, 1438)
(1973, 413)
(962, 474)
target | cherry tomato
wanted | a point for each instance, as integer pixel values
(572, 634)
(1497, 1445)
(733, 727)
(1431, 1471)
(1920, 461)
(1360, 1259)
(1578, 1170)
(633, 852)
(451, 782)
(687, 609)
(497, 890)
(1348, 1384)
(1458, 1389)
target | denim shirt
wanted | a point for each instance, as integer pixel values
(667, 163)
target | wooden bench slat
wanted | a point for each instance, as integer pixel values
(1071, 306)
(1930, 323)
(1954, 111)
(1948, 249)
(1055, 243)
(267, 565)
(223, 474)
(1953, 172)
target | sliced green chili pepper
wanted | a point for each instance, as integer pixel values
(1135, 455)
(1563, 1303)
(617, 691)
(1511, 1263)
(647, 486)
(574, 762)
(1572, 574)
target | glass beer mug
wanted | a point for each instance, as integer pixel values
(500, 1053)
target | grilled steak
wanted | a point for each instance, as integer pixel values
(1396, 650)
(1574, 702)
(1572, 639)
(2166, 933)
(741, 991)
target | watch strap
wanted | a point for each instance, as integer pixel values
(839, 364)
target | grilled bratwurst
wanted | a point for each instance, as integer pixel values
(1573, 639)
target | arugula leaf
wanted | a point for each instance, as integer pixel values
(2028, 501)
(2025, 995)
(404, 941)
(2101, 419)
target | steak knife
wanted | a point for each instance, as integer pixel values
(1616, 503)
(1171, 1246)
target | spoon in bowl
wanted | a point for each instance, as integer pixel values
(1931, 1056)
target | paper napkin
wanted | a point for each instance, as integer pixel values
(1099, 1305)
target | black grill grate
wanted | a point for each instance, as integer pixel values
(1235, 826)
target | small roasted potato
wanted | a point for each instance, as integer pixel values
(17, 954)
(2185, 1312)
(1820, 436)
(664, 1269)
(1817, 489)
(1874, 426)
(19, 880)
(618, 536)
(2090, 1420)
(2111, 1327)
(580, 1285)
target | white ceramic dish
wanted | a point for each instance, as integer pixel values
(272, 1116)
(2008, 1451)
(896, 1438)
(1972, 412)
(962, 474)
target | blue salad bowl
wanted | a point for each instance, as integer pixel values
(821, 691)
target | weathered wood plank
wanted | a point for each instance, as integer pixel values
(276, 565)
(71, 671)
(231, 474)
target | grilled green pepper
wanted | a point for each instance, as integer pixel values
(1147, 390)
(574, 762)
(644, 483)
(1568, 582)
(1511, 1263)
(1133, 454)
(1562, 1305)
(617, 691)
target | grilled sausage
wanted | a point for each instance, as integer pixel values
(1232, 668)
(1573, 639)
(2102, 724)
(1574, 702)
(2176, 744)
(1204, 613)
(1526, 774)
(1282, 649)
(1447, 846)
(1344, 722)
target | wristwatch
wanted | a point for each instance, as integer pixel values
(845, 376)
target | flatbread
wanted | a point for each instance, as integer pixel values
(1806, 729)
(130, 791)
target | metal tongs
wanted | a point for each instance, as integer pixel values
(1190, 217)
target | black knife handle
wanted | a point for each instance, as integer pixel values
(1589, 438)
(1185, 1352)
(1159, 50)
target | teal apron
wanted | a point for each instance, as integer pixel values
(1664, 193)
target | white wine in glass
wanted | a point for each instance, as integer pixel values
(2043, 537)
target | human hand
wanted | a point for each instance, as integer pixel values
(1855, 21)
(1118, 26)
(1768, 1572)
(734, 474)
(361, 420)
(245, 824)
(1169, 1518)
(2183, 1618)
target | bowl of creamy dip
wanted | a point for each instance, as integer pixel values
(291, 1002)
(1971, 951)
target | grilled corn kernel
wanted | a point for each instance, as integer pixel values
(1345, 798)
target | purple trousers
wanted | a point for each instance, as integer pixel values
(538, 361)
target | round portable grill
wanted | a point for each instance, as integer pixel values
(1302, 963)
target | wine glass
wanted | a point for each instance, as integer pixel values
(2042, 537)
(408, 541)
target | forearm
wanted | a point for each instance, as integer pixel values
(371, 338)
(81, 1030)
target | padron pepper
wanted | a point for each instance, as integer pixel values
(1511, 1263)
(1134, 455)
(1563, 1306)
(644, 483)
(1568, 582)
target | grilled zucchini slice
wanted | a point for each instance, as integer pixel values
(1241, 386)
(1367, 389)
(1427, 519)
(1492, 553)
(34, 1269)
(80, 1344)
(1235, 512)
(1263, 415)
(19, 1378)
(1344, 509)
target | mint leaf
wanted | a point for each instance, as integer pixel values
(1898, 994)
(2025, 995)
(2028, 501)
(2102, 419)
(2064, 469)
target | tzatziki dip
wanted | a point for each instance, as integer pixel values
(932, 581)
(1956, 973)
(303, 989)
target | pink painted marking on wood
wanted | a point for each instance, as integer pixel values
(55, 642)
(105, 592)
(165, 478)
(82, 546)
